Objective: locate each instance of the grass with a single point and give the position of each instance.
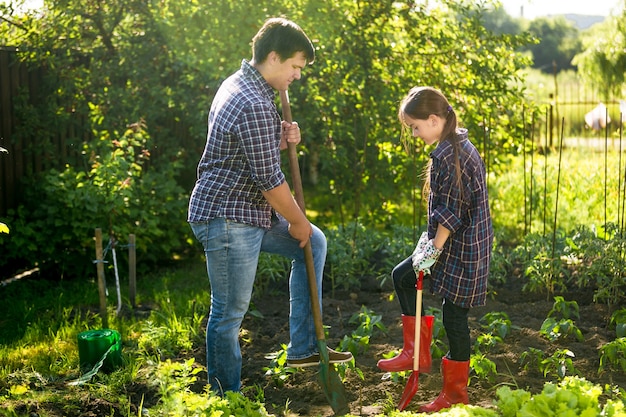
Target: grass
(578, 179)
(39, 355)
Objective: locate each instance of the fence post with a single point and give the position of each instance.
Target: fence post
(101, 283)
(132, 269)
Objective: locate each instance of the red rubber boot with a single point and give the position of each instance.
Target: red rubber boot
(404, 361)
(455, 376)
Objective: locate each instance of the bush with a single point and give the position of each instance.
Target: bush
(54, 229)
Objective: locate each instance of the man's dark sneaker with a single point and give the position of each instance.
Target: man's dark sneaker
(314, 359)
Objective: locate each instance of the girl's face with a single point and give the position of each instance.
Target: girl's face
(428, 130)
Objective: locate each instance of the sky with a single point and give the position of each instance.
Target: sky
(535, 8)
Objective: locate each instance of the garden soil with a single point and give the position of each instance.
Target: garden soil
(375, 392)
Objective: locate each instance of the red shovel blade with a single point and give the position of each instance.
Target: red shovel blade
(409, 390)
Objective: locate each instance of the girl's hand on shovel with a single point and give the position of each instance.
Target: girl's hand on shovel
(290, 134)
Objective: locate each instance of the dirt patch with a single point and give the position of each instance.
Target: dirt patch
(370, 395)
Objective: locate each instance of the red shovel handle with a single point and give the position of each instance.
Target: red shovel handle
(412, 384)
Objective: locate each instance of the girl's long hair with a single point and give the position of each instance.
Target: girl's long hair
(419, 104)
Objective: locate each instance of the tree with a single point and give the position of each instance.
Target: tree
(369, 58)
(602, 63)
(157, 64)
(558, 43)
(499, 21)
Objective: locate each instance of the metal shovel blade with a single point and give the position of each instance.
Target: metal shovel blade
(331, 383)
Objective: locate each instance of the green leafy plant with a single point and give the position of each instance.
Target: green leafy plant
(355, 251)
(613, 355)
(116, 193)
(566, 309)
(559, 364)
(555, 329)
(438, 346)
(486, 342)
(278, 370)
(483, 367)
(572, 397)
(271, 269)
(561, 329)
(532, 359)
(359, 339)
(174, 380)
(598, 259)
(497, 323)
(618, 319)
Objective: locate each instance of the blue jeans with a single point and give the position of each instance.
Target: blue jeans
(232, 252)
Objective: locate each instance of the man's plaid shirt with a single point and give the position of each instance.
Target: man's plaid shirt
(242, 153)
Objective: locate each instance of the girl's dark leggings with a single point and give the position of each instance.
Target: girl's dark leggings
(454, 317)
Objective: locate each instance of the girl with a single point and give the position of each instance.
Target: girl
(456, 249)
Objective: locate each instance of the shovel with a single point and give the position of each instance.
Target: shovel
(411, 386)
(328, 377)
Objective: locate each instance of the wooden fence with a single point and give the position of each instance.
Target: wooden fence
(15, 160)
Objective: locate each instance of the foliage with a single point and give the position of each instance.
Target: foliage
(271, 270)
(532, 359)
(174, 380)
(111, 65)
(545, 272)
(523, 199)
(355, 251)
(583, 259)
(613, 356)
(438, 346)
(601, 256)
(497, 322)
(561, 329)
(602, 60)
(573, 397)
(558, 43)
(117, 193)
(557, 365)
(33, 362)
(278, 369)
(618, 319)
(564, 309)
(555, 329)
(367, 322)
(482, 367)
(367, 59)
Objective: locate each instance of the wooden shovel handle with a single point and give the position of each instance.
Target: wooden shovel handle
(294, 168)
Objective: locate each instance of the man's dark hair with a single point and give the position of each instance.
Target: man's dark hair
(284, 37)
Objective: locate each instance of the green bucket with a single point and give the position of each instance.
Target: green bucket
(97, 345)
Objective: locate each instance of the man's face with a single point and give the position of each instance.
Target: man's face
(281, 74)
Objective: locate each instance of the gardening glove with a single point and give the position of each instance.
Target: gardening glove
(420, 244)
(426, 257)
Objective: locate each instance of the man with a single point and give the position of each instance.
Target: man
(241, 204)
